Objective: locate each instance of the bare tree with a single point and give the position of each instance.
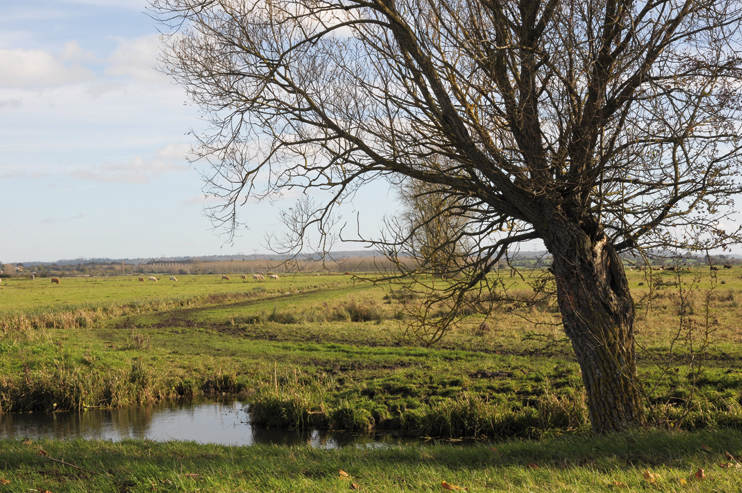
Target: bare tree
(432, 230)
(597, 126)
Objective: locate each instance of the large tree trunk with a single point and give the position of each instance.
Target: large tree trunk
(598, 316)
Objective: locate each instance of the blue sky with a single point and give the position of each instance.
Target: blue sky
(93, 139)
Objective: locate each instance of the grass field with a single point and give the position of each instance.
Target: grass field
(648, 461)
(328, 351)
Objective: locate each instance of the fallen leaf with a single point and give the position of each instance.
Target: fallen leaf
(41, 490)
(447, 486)
(683, 482)
(725, 465)
(354, 486)
(494, 450)
(700, 474)
(531, 465)
(649, 476)
(706, 447)
(618, 484)
(42, 452)
(27, 441)
(730, 457)
(4, 481)
(343, 474)
(192, 475)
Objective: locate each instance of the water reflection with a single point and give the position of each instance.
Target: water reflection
(224, 423)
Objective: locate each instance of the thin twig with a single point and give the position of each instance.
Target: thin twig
(44, 454)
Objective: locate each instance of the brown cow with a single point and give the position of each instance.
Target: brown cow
(141, 279)
(225, 278)
(714, 268)
(727, 266)
(243, 276)
(55, 280)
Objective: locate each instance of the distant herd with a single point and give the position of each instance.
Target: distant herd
(662, 267)
(257, 277)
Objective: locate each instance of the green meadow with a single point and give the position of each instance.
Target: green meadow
(648, 461)
(330, 351)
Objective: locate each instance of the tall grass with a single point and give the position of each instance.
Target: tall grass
(85, 316)
(71, 388)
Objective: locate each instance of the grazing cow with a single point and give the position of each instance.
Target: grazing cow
(225, 278)
(1, 281)
(172, 278)
(727, 266)
(153, 278)
(258, 277)
(55, 280)
(141, 279)
(714, 268)
(34, 277)
(243, 276)
(273, 276)
(670, 268)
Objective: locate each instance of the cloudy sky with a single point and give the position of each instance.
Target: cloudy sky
(93, 139)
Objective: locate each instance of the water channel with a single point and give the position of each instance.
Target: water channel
(226, 423)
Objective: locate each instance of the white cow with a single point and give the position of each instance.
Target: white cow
(258, 277)
(273, 276)
(172, 278)
(152, 278)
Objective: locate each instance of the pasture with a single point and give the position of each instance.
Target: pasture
(329, 351)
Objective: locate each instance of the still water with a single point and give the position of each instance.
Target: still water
(226, 423)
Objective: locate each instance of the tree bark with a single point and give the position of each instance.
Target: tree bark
(598, 317)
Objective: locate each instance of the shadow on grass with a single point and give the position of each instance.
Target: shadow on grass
(629, 450)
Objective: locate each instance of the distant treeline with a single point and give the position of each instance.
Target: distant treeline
(353, 265)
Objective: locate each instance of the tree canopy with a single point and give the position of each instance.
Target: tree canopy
(599, 127)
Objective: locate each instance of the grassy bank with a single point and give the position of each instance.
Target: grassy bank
(629, 462)
(328, 352)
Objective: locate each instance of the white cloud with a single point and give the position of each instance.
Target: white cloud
(10, 103)
(136, 170)
(13, 173)
(72, 52)
(137, 58)
(174, 151)
(35, 68)
(122, 4)
(52, 220)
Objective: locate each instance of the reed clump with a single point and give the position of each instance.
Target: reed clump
(73, 388)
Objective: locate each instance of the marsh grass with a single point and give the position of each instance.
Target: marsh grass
(332, 356)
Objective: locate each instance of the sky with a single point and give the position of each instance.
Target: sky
(93, 142)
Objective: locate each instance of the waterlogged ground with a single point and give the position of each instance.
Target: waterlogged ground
(330, 352)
